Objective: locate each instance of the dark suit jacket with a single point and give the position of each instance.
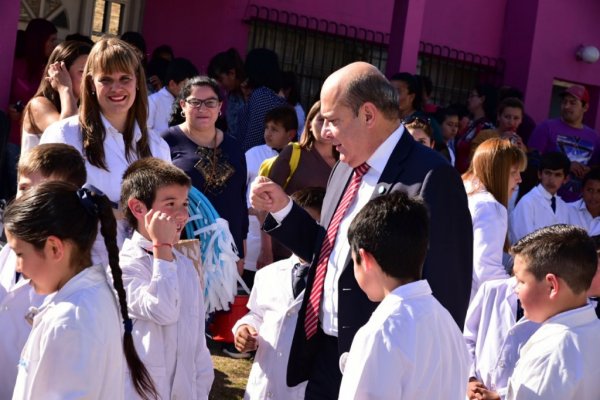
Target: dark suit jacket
(418, 171)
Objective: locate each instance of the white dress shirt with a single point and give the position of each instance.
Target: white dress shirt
(75, 349)
(580, 216)
(490, 225)
(273, 314)
(561, 360)
(410, 348)
(534, 211)
(160, 105)
(167, 308)
(493, 335)
(108, 181)
(15, 299)
(341, 249)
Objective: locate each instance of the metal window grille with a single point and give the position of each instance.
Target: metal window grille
(313, 48)
(454, 72)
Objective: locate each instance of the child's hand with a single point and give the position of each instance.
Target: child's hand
(245, 339)
(161, 227)
(474, 389)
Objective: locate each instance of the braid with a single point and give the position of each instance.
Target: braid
(108, 227)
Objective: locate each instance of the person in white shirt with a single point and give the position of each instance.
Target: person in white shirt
(494, 173)
(269, 326)
(542, 206)
(585, 213)
(110, 130)
(76, 348)
(160, 104)
(45, 162)
(401, 351)
(554, 267)
(163, 287)
(494, 332)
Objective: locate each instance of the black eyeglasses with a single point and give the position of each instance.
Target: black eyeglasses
(197, 103)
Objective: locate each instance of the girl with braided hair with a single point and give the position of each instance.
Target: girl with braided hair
(74, 349)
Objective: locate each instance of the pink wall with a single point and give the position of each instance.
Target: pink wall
(473, 26)
(197, 31)
(8, 32)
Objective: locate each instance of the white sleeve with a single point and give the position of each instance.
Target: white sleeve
(254, 317)
(522, 220)
(471, 330)
(489, 233)
(205, 374)
(151, 295)
(151, 123)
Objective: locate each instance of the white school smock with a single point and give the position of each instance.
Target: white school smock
(75, 349)
(492, 334)
(15, 300)
(273, 313)
(160, 105)
(410, 348)
(109, 182)
(561, 360)
(490, 225)
(534, 211)
(580, 216)
(167, 308)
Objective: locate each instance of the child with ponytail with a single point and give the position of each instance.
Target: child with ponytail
(75, 347)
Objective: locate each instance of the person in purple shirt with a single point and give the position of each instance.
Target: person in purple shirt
(570, 136)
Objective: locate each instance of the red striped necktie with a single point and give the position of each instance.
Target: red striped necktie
(312, 308)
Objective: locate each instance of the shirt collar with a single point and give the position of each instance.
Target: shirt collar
(137, 133)
(380, 157)
(544, 192)
(401, 293)
(165, 93)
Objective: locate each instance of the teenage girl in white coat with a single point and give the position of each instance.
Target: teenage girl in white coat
(75, 349)
(494, 173)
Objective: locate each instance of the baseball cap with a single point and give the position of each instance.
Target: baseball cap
(577, 91)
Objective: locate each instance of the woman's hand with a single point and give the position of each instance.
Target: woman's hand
(58, 76)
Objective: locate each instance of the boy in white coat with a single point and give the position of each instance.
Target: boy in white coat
(554, 267)
(542, 206)
(269, 326)
(410, 348)
(494, 332)
(162, 285)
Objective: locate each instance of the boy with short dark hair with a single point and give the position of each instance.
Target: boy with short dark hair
(585, 213)
(162, 284)
(160, 103)
(554, 267)
(542, 206)
(410, 347)
(269, 326)
(45, 162)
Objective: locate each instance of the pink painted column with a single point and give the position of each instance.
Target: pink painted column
(405, 34)
(9, 19)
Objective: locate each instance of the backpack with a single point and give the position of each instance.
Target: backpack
(265, 167)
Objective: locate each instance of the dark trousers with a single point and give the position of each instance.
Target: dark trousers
(325, 379)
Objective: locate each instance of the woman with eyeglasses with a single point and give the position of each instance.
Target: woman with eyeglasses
(110, 130)
(212, 159)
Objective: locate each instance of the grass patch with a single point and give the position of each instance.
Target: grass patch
(231, 375)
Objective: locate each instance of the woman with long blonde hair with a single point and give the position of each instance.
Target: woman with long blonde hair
(494, 173)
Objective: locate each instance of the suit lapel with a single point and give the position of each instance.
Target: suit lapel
(395, 165)
(335, 190)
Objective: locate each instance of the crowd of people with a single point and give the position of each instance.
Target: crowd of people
(392, 248)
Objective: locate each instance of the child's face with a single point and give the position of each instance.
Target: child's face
(276, 137)
(531, 292)
(450, 127)
(34, 264)
(514, 178)
(510, 119)
(552, 179)
(420, 136)
(173, 201)
(27, 181)
(591, 196)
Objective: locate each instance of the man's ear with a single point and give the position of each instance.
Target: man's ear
(137, 208)
(369, 113)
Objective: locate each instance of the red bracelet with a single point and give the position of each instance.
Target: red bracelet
(162, 244)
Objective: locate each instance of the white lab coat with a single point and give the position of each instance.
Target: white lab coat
(15, 300)
(490, 225)
(561, 360)
(167, 308)
(410, 348)
(160, 105)
(75, 349)
(68, 131)
(533, 212)
(493, 336)
(273, 313)
(580, 216)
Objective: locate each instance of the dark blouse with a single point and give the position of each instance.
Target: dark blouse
(230, 199)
